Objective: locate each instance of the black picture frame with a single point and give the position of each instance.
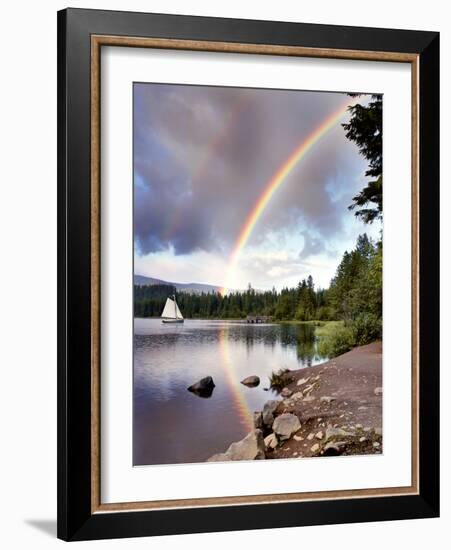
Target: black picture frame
(76, 520)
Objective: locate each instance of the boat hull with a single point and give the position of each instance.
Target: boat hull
(172, 321)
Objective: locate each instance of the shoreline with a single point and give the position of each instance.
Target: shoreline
(313, 322)
(333, 408)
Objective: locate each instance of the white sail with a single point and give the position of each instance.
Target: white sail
(178, 312)
(169, 310)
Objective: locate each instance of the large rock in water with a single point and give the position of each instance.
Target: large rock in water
(251, 381)
(269, 409)
(204, 387)
(286, 425)
(252, 447)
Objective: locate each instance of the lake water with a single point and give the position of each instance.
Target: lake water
(172, 425)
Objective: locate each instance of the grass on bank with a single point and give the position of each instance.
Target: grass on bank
(338, 337)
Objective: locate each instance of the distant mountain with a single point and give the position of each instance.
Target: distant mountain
(191, 288)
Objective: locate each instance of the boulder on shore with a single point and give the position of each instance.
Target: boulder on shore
(252, 447)
(204, 387)
(271, 441)
(269, 409)
(286, 425)
(251, 381)
(258, 420)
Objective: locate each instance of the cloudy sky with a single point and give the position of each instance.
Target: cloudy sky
(202, 158)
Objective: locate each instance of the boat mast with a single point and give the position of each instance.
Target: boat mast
(175, 306)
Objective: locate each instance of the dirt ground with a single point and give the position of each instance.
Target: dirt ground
(339, 405)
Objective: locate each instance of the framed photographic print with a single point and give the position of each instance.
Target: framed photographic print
(248, 274)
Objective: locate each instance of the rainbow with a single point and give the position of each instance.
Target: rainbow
(273, 185)
(241, 406)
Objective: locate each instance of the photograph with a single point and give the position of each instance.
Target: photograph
(257, 277)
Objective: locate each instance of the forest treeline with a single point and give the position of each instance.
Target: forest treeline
(355, 290)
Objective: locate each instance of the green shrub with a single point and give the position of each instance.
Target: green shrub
(327, 328)
(366, 328)
(337, 342)
(335, 338)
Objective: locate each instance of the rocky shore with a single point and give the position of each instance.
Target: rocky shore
(327, 410)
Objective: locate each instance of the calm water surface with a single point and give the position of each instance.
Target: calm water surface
(172, 425)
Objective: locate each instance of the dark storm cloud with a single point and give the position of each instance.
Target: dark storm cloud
(203, 156)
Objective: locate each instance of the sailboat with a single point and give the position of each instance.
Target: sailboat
(171, 312)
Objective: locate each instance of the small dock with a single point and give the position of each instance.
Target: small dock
(258, 319)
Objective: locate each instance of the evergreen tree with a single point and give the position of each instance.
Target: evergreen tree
(365, 129)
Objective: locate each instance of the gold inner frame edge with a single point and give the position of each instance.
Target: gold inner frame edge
(97, 41)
